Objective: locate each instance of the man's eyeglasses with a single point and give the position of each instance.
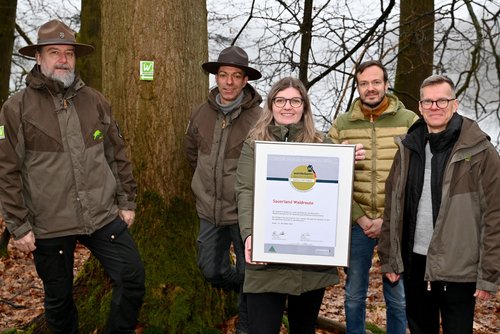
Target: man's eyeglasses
(441, 103)
(280, 102)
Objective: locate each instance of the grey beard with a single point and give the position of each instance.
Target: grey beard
(66, 79)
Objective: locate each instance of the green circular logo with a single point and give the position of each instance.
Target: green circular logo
(303, 177)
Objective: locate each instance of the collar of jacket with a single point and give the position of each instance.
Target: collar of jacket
(38, 80)
(357, 112)
(374, 113)
(285, 132)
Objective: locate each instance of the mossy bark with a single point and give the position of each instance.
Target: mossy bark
(178, 300)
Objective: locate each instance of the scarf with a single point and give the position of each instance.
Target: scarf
(441, 145)
(373, 113)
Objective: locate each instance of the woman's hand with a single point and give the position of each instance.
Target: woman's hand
(360, 152)
(248, 251)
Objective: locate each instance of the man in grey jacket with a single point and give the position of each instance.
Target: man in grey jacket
(441, 221)
(65, 178)
(214, 138)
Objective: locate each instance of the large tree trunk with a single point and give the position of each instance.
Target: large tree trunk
(416, 49)
(153, 116)
(7, 26)
(90, 33)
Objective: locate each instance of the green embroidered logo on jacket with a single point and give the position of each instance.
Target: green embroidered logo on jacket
(98, 136)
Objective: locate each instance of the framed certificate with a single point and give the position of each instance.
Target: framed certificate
(302, 203)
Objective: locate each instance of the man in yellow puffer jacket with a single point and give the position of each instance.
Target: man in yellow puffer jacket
(373, 120)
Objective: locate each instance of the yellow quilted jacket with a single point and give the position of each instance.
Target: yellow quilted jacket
(377, 138)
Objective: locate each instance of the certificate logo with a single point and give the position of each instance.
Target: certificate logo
(303, 177)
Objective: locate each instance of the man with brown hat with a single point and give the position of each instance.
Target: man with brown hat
(65, 178)
(214, 138)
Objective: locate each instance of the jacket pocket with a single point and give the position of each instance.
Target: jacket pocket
(50, 263)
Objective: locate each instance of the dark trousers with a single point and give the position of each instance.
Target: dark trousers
(115, 249)
(453, 302)
(265, 312)
(214, 260)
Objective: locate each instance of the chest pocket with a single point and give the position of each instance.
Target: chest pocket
(42, 139)
(466, 177)
(95, 126)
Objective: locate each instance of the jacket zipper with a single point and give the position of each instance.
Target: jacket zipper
(223, 126)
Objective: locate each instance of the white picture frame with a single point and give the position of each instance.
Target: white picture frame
(302, 203)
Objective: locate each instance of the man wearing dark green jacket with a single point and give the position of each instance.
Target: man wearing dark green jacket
(441, 229)
(213, 142)
(65, 178)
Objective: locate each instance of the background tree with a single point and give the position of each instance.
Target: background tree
(416, 50)
(153, 116)
(90, 33)
(7, 25)
(464, 41)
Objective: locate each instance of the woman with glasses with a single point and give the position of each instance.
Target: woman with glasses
(286, 116)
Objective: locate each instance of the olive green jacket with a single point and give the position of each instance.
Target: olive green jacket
(466, 238)
(213, 143)
(64, 167)
(273, 277)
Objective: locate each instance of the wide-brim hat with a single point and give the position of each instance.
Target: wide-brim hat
(232, 56)
(56, 32)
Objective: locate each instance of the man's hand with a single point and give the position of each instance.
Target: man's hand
(364, 222)
(127, 216)
(481, 294)
(374, 231)
(25, 244)
(392, 277)
(371, 227)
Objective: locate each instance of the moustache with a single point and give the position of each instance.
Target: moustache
(62, 67)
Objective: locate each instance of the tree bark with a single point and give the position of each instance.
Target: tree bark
(153, 116)
(90, 33)
(305, 42)
(416, 50)
(7, 26)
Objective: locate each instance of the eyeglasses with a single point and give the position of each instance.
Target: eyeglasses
(295, 102)
(440, 103)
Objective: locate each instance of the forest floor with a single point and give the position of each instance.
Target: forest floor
(21, 297)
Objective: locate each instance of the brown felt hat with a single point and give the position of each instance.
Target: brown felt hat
(232, 56)
(54, 33)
